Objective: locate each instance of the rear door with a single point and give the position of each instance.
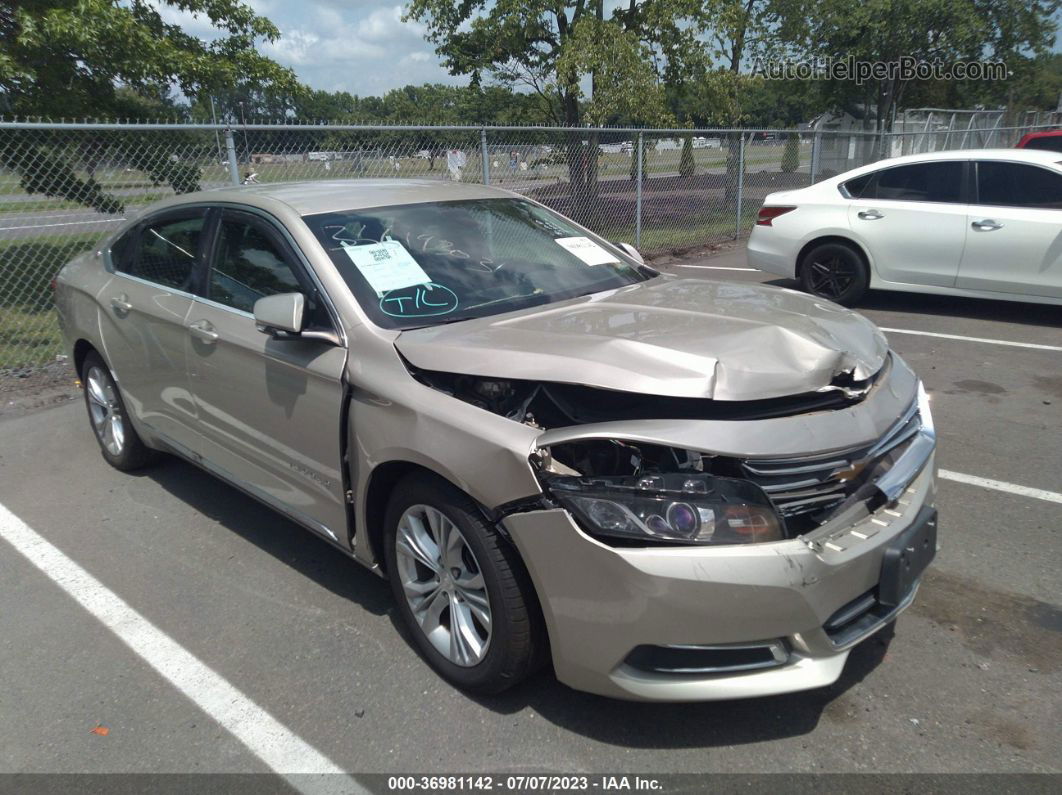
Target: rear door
(1014, 239)
(912, 220)
(144, 308)
(269, 410)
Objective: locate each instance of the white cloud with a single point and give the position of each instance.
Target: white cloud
(352, 47)
(339, 45)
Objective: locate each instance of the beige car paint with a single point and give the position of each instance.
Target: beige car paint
(267, 414)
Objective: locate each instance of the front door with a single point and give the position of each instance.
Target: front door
(144, 309)
(912, 219)
(269, 410)
(1014, 240)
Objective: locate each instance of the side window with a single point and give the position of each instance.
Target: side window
(918, 182)
(122, 249)
(248, 265)
(855, 187)
(1017, 185)
(168, 252)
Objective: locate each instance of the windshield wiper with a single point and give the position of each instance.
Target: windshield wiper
(445, 322)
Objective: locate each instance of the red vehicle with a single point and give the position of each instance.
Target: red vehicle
(1051, 141)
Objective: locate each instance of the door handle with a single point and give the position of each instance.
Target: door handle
(870, 215)
(204, 329)
(121, 303)
(986, 225)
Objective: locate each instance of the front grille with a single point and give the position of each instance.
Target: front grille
(805, 491)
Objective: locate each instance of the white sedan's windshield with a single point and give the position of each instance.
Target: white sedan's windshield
(420, 264)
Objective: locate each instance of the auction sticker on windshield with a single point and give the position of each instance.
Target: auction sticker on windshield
(386, 266)
(586, 250)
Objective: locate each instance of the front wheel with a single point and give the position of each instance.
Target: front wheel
(461, 590)
(835, 271)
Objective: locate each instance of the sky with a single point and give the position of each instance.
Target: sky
(360, 46)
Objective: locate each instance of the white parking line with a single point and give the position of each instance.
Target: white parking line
(1000, 485)
(714, 267)
(304, 767)
(1033, 345)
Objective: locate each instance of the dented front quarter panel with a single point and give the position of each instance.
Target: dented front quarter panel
(394, 418)
(668, 336)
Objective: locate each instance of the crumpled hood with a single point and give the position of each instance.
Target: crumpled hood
(669, 336)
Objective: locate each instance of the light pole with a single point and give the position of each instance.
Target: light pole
(217, 135)
(246, 146)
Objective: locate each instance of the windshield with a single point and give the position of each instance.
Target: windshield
(419, 265)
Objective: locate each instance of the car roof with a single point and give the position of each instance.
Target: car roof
(1040, 156)
(323, 196)
(1042, 134)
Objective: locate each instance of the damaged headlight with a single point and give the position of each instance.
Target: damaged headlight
(671, 508)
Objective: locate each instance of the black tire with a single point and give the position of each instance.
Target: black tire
(131, 453)
(836, 272)
(517, 640)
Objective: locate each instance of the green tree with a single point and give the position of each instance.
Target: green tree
(557, 49)
(93, 58)
(687, 165)
(791, 153)
(1012, 31)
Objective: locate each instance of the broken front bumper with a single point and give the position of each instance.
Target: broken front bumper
(603, 603)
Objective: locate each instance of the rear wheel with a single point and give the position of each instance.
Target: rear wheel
(835, 271)
(461, 590)
(119, 442)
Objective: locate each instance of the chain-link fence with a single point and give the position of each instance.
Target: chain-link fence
(63, 186)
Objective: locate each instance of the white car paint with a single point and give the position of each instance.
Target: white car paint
(924, 246)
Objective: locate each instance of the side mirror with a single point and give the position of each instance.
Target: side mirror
(630, 251)
(282, 312)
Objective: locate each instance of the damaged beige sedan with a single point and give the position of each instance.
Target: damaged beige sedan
(673, 489)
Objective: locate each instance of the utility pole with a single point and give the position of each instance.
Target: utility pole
(246, 146)
(217, 135)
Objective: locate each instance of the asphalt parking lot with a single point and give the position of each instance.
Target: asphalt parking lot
(969, 680)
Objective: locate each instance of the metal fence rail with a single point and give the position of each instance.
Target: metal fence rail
(64, 185)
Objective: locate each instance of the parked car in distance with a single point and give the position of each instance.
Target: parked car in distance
(675, 489)
(979, 223)
(1048, 140)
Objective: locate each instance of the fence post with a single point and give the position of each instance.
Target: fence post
(816, 149)
(741, 183)
(638, 197)
(483, 155)
(230, 151)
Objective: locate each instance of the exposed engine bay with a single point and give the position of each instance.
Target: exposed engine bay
(805, 494)
(549, 405)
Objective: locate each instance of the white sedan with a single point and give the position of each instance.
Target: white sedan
(982, 223)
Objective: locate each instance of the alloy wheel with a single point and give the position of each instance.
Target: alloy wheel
(443, 585)
(104, 412)
(831, 277)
